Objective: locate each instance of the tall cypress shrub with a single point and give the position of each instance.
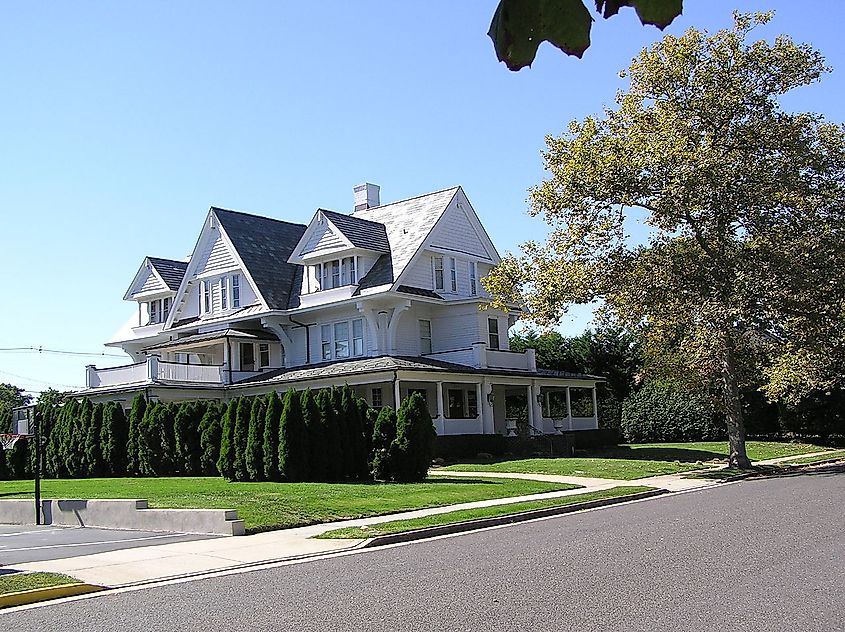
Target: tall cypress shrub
(113, 439)
(148, 444)
(413, 447)
(316, 436)
(226, 460)
(166, 462)
(293, 440)
(93, 452)
(75, 451)
(333, 445)
(240, 436)
(255, 440)
(186, 435)
(210, 436)
(136, 415)
(270, 448)
(356, 459)
(384, 433)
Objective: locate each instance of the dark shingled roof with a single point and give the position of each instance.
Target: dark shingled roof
(380, 274)
(418, 291)
(171, 271)
(214, 335)
(265, 245)
(363, 233)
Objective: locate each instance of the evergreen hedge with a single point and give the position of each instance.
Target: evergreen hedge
(662, 410)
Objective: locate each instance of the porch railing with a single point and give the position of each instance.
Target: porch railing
(179, 372)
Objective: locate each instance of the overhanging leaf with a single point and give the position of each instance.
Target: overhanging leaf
(659, 13)
(519, 26)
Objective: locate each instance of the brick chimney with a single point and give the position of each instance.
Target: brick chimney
(366, 196)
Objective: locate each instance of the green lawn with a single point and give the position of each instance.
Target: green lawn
(265, 506)
(16, 582)
(451, 517)
(629, 462)
(809, 460)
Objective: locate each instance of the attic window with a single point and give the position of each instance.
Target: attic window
(331, 274)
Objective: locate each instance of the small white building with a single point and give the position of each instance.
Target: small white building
(386, 299)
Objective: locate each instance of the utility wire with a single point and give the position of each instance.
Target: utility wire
(60, 352)
(31, 379)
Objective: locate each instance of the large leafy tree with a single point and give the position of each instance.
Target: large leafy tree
(745, 205)
(11, 397)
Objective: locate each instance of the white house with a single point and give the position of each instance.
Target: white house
(386, 299)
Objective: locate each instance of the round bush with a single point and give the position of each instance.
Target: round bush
(665, 411)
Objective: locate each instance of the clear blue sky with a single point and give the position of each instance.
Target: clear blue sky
(121, 123)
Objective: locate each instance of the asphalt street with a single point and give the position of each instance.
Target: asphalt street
(756, 555)
(29, 543)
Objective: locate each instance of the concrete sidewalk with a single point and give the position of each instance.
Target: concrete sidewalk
(151, 563)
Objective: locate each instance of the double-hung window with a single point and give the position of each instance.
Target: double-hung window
(349, 272)
(473, 278)
(358, 337)
(236, 290)
(153, 312)
(165, 308)
(326, 338)
(493, 332)
(425, 337)
(453, 274)
(342, 339)
(224, 293)
(206, 296)
(437, 263)
(263, 355)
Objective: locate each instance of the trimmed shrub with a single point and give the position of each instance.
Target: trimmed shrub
(226, 459)
(136, 416)
(663, 410)
(270, 451)
(318, 466)
(75, 441)
(113, 439)
(94, 465)
(293, 440)
(412, 450)
(333, 442)
(255, 441)
(210, 431)
(240, 436)
(384, 433)
(356, 460)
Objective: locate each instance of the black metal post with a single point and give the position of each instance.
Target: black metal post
(36, 420)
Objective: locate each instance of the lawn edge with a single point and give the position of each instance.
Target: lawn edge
(25, 597)
(522, 516)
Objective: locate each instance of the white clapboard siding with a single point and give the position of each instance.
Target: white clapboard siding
(322, 239)
(152, 284)
(455, 232)
(215, 256)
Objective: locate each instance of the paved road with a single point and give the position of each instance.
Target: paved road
(757, 555)
(30, 543)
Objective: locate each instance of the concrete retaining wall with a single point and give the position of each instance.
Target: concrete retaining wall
(122, 514)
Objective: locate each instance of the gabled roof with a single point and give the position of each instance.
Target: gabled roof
(361, 233)
(170, 270)
(408, 223)
(264, 246)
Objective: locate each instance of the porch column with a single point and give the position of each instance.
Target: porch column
(539, 427)
(568, 408)
(488, 417)
(440, 414)
(396, 393)
(152, 367)
(227, 363)
(479, 393)
(595, 407)
(531, 404)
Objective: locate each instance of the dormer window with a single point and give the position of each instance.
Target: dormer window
(220, 295)
(158, 310)
(331, 274)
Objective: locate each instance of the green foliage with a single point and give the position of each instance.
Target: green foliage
(11, 396)
(136, 415)
(333, 443)
(413, 447)
(240, 436)
(384, 433)
(94, 465)
(74, 454)
(113, 439)
(739, 282)
(355, 458)
(186, 437)
(226, 460)
(272, 415)
(318, 465)
(664, 411)
(211, 433)
(520, 26)
(293, 440)
(255, 440)
(17, 461)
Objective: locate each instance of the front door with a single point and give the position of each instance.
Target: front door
(247, 356)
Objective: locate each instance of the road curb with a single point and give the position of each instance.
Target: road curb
(481, 523)
(25, 597)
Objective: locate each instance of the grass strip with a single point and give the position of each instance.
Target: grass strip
(464, 515)
(267, 506)
(809, 460)
(16, 582)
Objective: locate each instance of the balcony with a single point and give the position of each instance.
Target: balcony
(480, 357)
(153, 371)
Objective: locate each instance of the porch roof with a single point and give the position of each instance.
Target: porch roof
(212, 336)
(394, 363)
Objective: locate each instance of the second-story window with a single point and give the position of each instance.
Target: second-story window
(342, 339)
(493, 332)
(437, 263)
(425, 337)
(473, 278)
(326, 341)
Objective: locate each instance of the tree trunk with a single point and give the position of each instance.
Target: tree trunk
(733, 409)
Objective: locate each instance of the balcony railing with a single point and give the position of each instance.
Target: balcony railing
(151, 371)
(480, 357)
